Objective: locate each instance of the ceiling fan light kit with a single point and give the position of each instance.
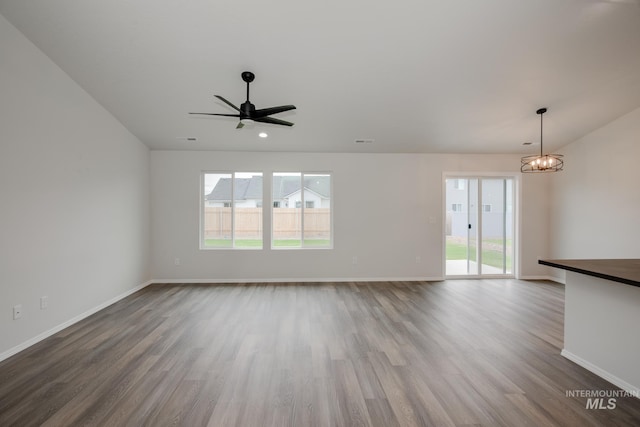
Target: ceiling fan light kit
(247, 112)
(543, 162)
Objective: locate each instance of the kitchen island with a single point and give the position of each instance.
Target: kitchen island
(602, 317)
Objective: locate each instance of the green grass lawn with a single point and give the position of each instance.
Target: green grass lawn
(459, 251)
(489, 257)
(255, 243)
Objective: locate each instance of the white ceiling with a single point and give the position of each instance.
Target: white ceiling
(454, 76)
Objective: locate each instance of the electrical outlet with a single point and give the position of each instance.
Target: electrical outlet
(17, 311)
(176, 261)
(354, 260)
(418, 260)
(44, 302)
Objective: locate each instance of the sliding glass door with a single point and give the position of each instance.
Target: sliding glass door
(479, 226)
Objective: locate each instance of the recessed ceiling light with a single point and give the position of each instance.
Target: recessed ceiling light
(364, 141)
(263, 135)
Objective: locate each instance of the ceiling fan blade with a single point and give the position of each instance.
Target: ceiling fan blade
(264, 112)
(227, 102)
(272, 121)
(218, 114)
(240, 125)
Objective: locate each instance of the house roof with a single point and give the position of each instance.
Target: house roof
(283, 186)
(245, 189)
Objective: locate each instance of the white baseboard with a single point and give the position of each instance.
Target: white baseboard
(305, 280)
(601, 373)
(76, 319)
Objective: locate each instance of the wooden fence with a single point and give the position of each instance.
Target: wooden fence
(286, 223)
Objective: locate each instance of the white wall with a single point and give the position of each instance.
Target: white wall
(74, 194)
(595, 207)
(386, 238)
(599, 328)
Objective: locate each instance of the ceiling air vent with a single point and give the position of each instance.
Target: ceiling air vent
(363, 141)
(187, 138)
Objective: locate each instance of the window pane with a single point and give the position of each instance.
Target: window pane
(317, 212)
(217, 211)
(461, 226)
(493, 222)
(286, 218)
(472, 231)
(509, 226)
(247, 190)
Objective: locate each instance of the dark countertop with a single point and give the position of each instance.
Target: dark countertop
(618, 270)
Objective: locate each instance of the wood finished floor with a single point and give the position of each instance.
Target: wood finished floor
(454, 353)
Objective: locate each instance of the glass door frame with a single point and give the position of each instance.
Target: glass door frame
(515, 227)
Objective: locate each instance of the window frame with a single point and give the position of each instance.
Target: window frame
(232, 203)
(302, 209)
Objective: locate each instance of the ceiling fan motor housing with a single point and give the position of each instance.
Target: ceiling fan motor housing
(247, 109)
(248, 76)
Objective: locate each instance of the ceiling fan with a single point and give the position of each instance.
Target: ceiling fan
(247, 111)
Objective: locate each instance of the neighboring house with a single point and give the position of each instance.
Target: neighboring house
(248, 193)
(286, 192)
(457, 211)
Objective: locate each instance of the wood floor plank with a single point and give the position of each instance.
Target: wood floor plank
(457, 353)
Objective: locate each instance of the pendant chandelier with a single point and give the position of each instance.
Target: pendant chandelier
(542, 162)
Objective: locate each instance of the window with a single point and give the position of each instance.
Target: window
(486, 208)
(231, 210)
(456, 207)
(458, 184)
(308, 224)
(276, 204)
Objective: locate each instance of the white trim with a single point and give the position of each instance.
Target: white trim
(443, 229)
(76, 319)
(479, 225)
(601, 372)
(480, 276)
(303, 280)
